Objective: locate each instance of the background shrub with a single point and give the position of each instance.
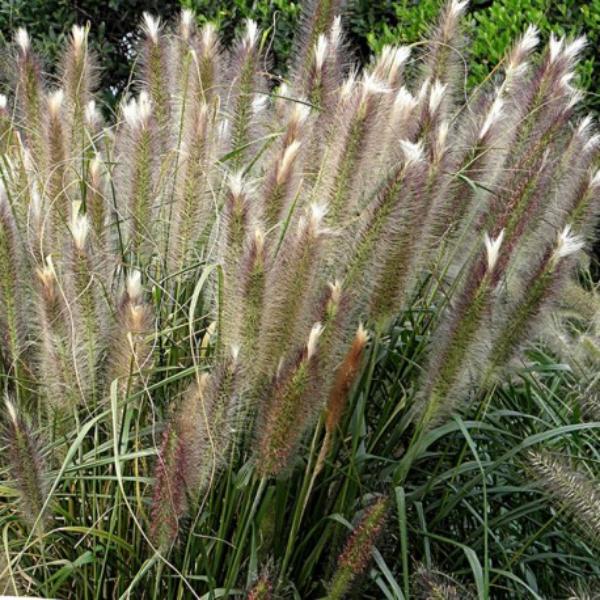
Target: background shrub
(115, 23)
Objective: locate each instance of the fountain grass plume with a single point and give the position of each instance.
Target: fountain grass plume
(576, 491)
(356, 554)
(26, 466)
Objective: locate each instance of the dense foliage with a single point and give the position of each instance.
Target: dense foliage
(331, 336)
(115, 25)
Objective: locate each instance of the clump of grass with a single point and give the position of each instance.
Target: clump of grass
(239, 306)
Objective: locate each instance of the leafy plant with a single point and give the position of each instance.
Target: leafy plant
(265, 341)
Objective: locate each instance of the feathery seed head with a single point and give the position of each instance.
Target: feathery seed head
(405, 102)
(356, 554)
(530, 39)
(492, 116)
(372, 85)
(585, 125)
(78, 37)
(259, 241)
(250, 34)
(441, 139)
(22, 40)
(12, 411)
(80, 226)
(208, 36)
(390, 61)
(235, 353)
(335, 33)
(335, 291)
(133, 285)
(55, 100)
(555, 47)
(565, 81)
(567, 244)
(26, 466)
(313, 340)
(316, 219)
(348, 86)
(237, 185)
(259, 103)
(320, 53)
(595, 179)
(362, 335)
(592, 143)
(492, 248)
(287, 160)
(521, 51)
(144, 106)
(572, 50)
(576, 98)
(47, 276)
(137, 112)
(413, 152)
(3, 101)
(94, 167)
(91, 114)
(187, 21)
(458, 7)
(299, 113)
(151, 26)
(438, 89)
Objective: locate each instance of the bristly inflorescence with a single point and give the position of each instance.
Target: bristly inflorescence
(240, 232)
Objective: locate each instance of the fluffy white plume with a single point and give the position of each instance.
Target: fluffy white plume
(530, 39)
(137, 112)
(492, 116)
(492, 249)
(151, 26)
(438, 89)
(362, 335)
(321, 52)
(458, 7)
(55, 100)
(208, 36)
(575, 47)
(567, 243)
(91, 114)
(404, 102)
(78, 34)
(555, 47)
(22, 39)
(134, 285)
(10, 408)
(236, 183)
(413, 152)
(259, 103)
(335, 33)
(313, 340)
(372, 85)
(251, 33)
(289, 155)
(317, 215)
(80, 227)
(187, 20)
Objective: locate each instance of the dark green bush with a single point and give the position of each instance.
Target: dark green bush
(114, 25)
